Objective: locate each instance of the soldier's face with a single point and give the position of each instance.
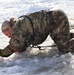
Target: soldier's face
(8, 31)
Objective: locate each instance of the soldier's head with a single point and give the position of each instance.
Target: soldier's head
(7, 28)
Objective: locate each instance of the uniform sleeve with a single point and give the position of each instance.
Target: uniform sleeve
(6, 51)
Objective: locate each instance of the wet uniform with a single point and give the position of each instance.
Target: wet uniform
(34, 29)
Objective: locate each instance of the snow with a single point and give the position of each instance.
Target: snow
(34, 61)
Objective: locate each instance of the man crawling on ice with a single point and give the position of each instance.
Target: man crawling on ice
(34, 28)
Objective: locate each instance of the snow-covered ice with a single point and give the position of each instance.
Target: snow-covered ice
(33, 61)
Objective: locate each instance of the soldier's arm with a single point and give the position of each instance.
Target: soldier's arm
(15, 45)
(6, 51)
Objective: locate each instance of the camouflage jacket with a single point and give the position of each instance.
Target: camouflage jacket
(28, 29)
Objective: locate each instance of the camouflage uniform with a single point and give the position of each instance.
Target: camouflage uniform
(34, 29)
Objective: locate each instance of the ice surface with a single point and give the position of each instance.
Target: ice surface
(33, 61)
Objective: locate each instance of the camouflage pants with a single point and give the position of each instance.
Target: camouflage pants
(60, 31)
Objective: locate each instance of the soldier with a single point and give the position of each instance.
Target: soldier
(34, 29)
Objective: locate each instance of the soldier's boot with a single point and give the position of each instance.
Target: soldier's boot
(60, 31)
